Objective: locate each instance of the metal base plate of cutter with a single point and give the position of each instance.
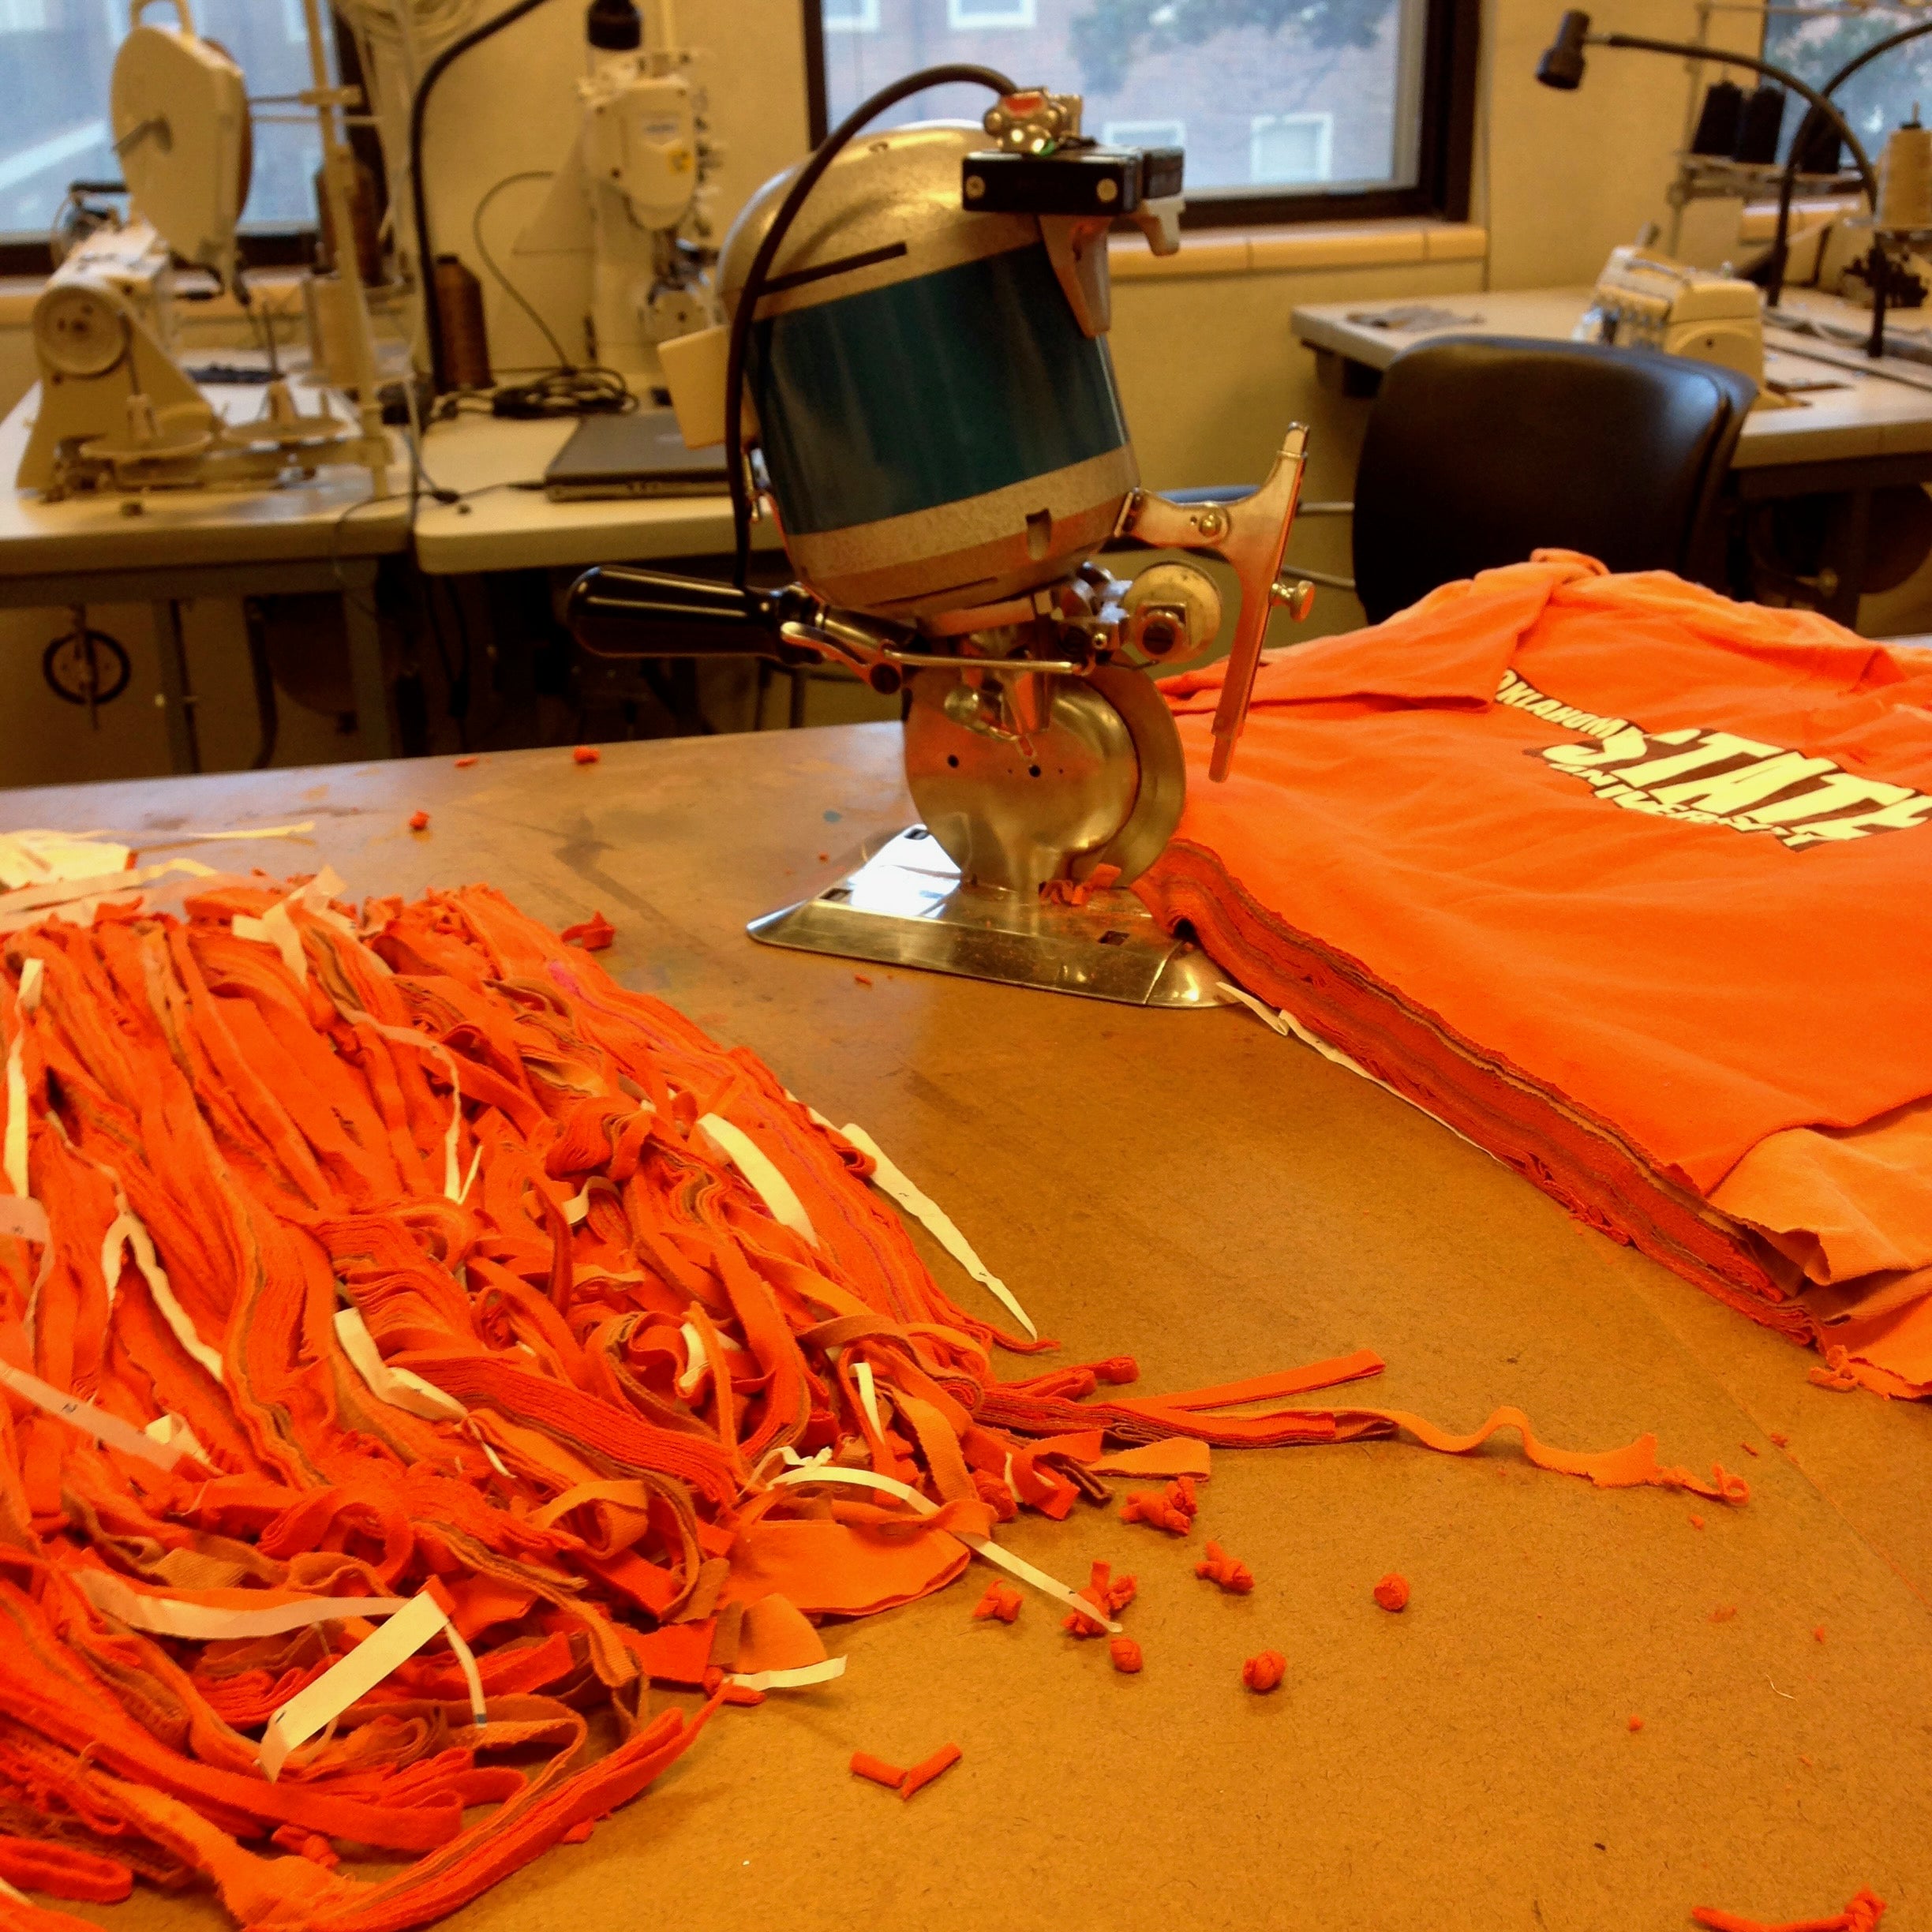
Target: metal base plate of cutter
(908, 906)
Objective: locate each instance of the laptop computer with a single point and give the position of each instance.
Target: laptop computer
(640, 455)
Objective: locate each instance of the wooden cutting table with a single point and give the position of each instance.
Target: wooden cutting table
(1189, 1189)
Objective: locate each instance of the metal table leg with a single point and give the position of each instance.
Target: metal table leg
(178, 699)
(365, 661)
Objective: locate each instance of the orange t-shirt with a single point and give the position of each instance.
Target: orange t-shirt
(1666, 854)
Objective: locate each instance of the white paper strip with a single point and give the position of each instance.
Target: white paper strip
(88, 1419)
(890, 1181)
(868, 1396)
(22, 908)
(15, 1149)
(38, 858)
(764, 1179)
(169, 1616)
(314, 898)
(233, 831)
(173, 1431)
(697, 1361)
(126, 1231)
(790, 1679)
(318, 1705)
(401, 1389)
(8, 1891)
(984, 1547)
(275, 928)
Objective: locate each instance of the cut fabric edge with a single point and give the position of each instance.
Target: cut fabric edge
(1579, 1161)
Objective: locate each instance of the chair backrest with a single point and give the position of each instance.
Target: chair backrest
(1481, 449)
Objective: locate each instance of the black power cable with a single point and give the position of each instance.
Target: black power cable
(425, 255)
(821, 158)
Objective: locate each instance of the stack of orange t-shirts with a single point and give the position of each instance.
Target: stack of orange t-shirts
(1629, 884)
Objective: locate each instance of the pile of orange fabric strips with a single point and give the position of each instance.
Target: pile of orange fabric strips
(413, 1345)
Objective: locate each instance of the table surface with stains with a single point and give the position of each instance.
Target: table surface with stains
(1187, 1188)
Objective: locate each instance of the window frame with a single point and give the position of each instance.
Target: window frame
(867, 22)
(1445, 144)
(1022, 22)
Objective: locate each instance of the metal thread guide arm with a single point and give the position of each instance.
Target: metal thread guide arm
(1250, 534)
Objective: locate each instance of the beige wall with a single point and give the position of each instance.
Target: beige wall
(1569, 176)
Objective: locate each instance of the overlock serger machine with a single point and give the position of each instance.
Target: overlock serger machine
(917, 352)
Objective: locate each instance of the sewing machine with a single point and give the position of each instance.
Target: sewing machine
(117, 410)
(617, 241)
(1646, 300)
(943, 451)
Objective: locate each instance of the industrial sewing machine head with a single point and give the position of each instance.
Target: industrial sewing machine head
(921, 330)
(117, 410)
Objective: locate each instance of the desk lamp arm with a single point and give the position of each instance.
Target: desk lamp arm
(1561, 67)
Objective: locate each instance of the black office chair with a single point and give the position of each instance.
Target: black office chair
(1482, 448)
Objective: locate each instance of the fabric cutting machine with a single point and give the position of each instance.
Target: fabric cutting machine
(917, 355)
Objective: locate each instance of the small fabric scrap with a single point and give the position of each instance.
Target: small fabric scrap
(594, 935)
(1002, 1602)
(1861, 1915)
(923, 1772)
(1263, 1673)
(1233, 1577)
(1392, 1592)
(865, 1765)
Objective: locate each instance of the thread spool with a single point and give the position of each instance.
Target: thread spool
(1717, 122)
(1905, 179)
(465, 343)
(1760, 125)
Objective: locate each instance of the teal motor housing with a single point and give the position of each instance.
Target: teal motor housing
(941, 428)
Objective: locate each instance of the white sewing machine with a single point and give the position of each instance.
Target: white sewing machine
(1648, 300)
(117, 410)
(619, 232)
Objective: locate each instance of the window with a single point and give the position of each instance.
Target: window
(1292, 149)
(1289, 109)
(1144, 133)
(852, 15)
(55, 59)
(1875, 100)
(969, 16)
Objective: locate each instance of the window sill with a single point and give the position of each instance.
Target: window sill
(1311, 245)
(279, 291)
